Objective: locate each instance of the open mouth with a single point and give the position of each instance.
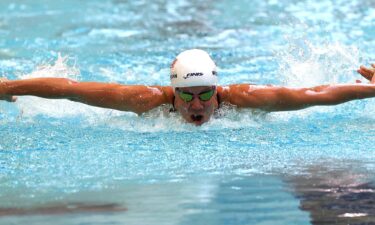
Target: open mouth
(196, 118)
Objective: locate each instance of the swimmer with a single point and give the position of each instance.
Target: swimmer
(194, 92)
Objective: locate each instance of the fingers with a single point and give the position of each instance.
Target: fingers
(366, 72)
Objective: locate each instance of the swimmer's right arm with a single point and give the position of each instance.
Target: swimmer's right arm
(134, 98)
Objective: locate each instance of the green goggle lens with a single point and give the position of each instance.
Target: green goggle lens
(205, 96)
(186, 96)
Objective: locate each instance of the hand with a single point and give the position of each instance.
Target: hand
(368, 73)
(3, 96)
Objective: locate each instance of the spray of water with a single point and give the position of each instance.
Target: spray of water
(59, 68)
(304, 63)
(33, 106)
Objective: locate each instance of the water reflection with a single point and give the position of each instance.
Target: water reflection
(58, 209)
(321, 195)
(336, 196)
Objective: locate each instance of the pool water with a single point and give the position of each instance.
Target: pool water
(67, 163)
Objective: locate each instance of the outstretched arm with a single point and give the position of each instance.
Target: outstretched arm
(272, 98)
(134, 98)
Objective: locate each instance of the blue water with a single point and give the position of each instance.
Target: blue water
(67, 163)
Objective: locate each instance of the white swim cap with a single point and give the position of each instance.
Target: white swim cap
(193, 68)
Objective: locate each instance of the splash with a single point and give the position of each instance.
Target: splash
(161, 120)
(32, 106)
(59, 68)
(304, 63)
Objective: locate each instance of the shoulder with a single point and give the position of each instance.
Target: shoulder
(225, 92)
(245, 95)
(168, 94)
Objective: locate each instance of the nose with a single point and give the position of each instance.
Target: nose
(196, 104)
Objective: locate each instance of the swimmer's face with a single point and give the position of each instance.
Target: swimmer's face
(196, 104)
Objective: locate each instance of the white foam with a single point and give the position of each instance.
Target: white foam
(310, 64)
(59, 68)
(160, 120)
(113, 33)
(31, 106)
(303, 63)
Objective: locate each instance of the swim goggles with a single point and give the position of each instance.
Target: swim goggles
(203, 96)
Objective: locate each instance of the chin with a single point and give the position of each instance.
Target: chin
(198, 123)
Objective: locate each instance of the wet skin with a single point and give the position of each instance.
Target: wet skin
(196, 111)
(140, 98)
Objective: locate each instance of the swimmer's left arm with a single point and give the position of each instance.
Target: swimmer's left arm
(273, 98)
